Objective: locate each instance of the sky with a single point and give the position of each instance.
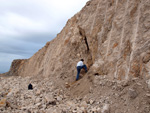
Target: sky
(26, 26)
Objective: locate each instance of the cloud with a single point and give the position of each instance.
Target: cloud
(13, 24)
(16, 48)
(26, 26)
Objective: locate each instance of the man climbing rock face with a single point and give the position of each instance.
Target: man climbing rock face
(80, 65)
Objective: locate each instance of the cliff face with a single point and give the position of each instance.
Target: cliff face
(113, 36)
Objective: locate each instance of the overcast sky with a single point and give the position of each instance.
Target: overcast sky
(26, 26)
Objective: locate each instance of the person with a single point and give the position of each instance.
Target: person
(80, 65)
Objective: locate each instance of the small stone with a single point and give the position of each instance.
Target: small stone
(52, 102)
(148, 95)
(139, 84)
(59, 98)
(38, 104)
(85, 111)
(132, 93)
(70, 103)
(82, 108)
(105, 109)
(83, 104)
(74, 111)
(50, 110)
(148, 83)
(24, 108)
(38, 92)
(98, 110)
(94, 109)
(38, 100)
(91, 101)
(49, 98)
(3, 102)
(67, 85)
(125, 83)
(10, 94)
(134, 79)
(78, 55)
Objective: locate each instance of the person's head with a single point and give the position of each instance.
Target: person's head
(82, 60)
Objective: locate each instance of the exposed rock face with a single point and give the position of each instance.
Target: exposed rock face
(111, 35)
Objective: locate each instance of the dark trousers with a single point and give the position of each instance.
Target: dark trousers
(79, 69)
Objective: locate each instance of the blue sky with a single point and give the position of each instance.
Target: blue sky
(26, 26)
